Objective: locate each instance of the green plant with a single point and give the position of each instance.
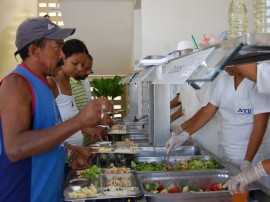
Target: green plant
(108, 87)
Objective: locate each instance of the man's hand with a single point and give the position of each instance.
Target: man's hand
(96, 133)
(79, 162)
(86, 152)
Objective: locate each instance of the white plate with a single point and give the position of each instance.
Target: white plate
(103, 142)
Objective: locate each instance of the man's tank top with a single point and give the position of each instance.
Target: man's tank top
(40, 177)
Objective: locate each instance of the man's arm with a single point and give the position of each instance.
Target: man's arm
(19, 140)
(199, 119)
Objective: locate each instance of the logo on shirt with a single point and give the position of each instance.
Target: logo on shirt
(243, 111)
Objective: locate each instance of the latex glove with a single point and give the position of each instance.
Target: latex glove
(240, 181)
(245, 165)
(176, 140)
(176, 129)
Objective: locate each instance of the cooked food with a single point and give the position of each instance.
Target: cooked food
(126, 142)
(105, 149)
(115, 170)
(84, 192)
(127, 149)
(119, 181)
(119, 127)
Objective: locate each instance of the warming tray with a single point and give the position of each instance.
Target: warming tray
(181, 163)
(161, 151)
(126, 185)
(191, 179)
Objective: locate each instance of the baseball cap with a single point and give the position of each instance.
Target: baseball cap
(33, 29)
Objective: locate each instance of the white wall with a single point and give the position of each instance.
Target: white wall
(12, 13)
(106, 26)
(166, 22)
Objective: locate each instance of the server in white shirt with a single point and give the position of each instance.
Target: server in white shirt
(231, 99)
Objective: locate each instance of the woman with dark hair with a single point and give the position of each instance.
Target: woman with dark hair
(74, 58)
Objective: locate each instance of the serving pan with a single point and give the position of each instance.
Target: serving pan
(202, 179)
(130, 191)
(161, 151)
(175, 164)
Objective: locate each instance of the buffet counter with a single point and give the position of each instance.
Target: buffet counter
(192, 173)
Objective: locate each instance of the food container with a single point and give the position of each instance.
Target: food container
(176, 163)
(118, 180)
(74, 193)
(131, 191)
(120, 191)
(161, 151)
(79, 182)
(201, 180)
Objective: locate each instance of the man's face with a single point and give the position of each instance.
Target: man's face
(50, 55)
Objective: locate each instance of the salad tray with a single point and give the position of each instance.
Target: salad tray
(175, 163)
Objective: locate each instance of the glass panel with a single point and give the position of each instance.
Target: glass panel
(215, 63)
(200, 65)
(144, 75)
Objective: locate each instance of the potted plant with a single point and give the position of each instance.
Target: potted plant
(110, 88)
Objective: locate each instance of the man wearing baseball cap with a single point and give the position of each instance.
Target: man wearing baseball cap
(32, 152)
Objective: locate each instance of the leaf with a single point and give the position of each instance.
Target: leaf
(108, 87)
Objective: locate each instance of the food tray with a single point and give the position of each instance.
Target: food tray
(174, 161)
(201, 180)
(111, 192)
(118, 150)
(161, 151)
(70, 189)
(118, 180)
(118, 129)
(116, 170)
(120, 191)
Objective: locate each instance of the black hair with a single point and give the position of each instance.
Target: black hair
(73, 46)
(90, 56)
(46, 16)
(24, 52)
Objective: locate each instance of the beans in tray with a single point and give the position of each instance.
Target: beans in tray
(119, 181)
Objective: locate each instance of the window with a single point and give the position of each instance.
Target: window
(51, 8)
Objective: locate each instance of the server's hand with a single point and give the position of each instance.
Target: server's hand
(245, 165)
(240, 181)
(176, 140)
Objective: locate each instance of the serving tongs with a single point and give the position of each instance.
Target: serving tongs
(167, 158)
